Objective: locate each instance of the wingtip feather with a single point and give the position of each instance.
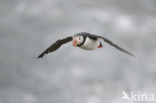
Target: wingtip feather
(130, 54)
(40, 56)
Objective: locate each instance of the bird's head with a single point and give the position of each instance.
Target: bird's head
(77, 40)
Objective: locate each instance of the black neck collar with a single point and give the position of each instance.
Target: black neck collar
(84, 39)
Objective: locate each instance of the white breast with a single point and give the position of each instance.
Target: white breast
(90, 44)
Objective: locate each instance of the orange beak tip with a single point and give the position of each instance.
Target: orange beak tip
(74, 42)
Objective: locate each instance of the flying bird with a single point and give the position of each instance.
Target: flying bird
(83, 40)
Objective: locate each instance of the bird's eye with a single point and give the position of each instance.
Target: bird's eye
(79, 38)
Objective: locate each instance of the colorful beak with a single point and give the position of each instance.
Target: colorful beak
(74, 41)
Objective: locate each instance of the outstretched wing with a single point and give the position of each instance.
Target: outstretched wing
(55, 46)
(116, 46)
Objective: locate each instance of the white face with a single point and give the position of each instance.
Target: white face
(77, 40)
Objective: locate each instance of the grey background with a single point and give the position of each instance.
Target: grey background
(72, 75)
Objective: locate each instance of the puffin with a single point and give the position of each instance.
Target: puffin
(84, 41)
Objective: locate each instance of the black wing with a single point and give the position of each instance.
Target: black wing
(92, 37)
(55, 46)
(116, 46)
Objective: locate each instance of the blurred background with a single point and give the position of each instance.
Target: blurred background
(72, 75)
